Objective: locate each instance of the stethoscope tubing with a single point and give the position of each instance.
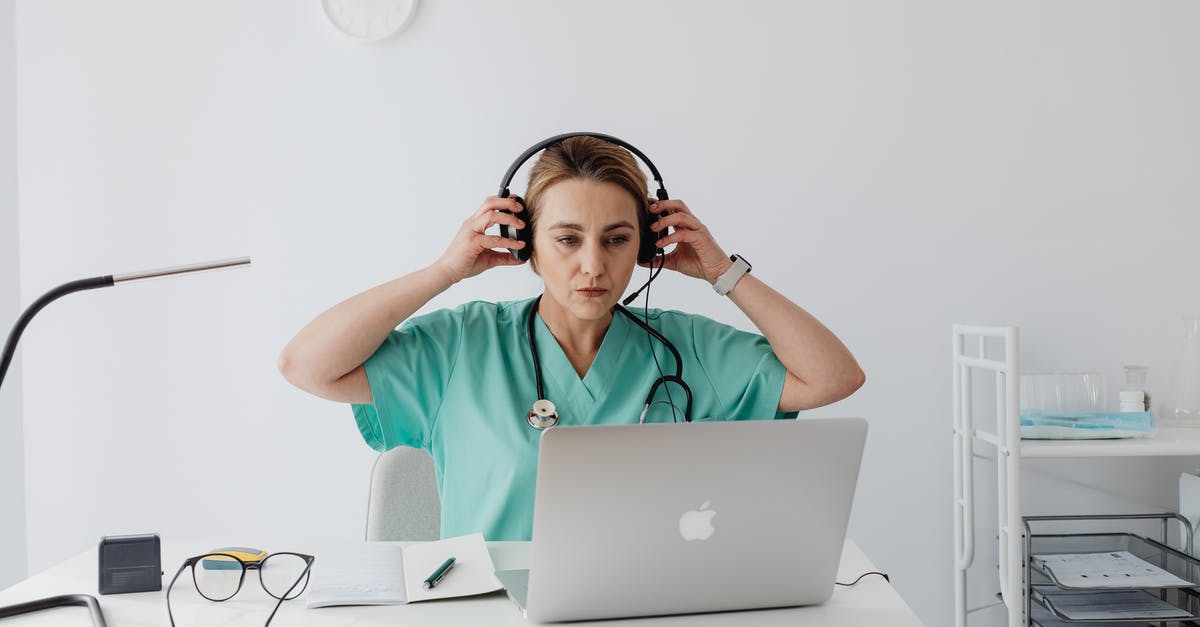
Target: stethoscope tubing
(676, 378)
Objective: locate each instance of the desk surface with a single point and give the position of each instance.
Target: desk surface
(872, 602)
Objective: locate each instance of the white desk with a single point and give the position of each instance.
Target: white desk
(872, 602)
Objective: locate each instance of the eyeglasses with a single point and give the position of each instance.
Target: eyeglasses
(219, 576)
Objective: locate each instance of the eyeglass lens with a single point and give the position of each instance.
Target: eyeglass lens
(281, 574)
(218, 577)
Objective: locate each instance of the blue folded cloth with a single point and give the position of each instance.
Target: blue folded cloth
(1036, 424)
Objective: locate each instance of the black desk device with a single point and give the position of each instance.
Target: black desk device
(130, 564)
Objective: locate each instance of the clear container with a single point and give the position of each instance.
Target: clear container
(1063, 393)
(1182, 407)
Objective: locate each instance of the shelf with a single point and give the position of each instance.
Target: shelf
(1169, 441)
(1059, 605)
(1178, 564)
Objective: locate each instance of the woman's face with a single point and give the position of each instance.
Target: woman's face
(586, 244)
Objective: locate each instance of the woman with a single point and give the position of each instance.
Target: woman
(459, 383)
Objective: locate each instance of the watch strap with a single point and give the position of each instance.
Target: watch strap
(729, 279)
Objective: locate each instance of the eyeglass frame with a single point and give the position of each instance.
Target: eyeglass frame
(245, 566)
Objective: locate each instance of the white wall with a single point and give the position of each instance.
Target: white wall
(12, 458)
(893, 167)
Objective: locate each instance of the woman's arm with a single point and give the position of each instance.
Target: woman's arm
(820, 370)
(326, 356)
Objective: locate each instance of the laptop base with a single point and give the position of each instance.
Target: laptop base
(516, 584)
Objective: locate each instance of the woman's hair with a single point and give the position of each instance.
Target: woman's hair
(588, 159)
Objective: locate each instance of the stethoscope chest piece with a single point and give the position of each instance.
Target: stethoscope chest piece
(543, 415)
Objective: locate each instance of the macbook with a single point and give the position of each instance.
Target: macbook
(643, 520)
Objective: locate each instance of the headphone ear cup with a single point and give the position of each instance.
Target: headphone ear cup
(647, 250)
(521, 235)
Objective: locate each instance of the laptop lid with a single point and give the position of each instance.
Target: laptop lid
(641, 520)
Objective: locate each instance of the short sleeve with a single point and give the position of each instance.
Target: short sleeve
(743, 370)
(408, 375)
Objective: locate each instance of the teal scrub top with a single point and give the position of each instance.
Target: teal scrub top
(459, 383)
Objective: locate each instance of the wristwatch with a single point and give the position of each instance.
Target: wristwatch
(726, 282)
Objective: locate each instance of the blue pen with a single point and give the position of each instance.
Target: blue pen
(439, 574)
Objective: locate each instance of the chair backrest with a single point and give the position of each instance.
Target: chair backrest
(404, 502)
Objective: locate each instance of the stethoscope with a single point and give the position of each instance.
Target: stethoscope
(543, 414)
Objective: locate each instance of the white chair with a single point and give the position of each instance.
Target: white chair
(404, 503)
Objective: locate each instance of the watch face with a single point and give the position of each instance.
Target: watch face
(369, 20)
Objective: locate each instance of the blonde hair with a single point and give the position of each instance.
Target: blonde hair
(589, 159)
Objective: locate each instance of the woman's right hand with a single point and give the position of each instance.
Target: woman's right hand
(471, 251)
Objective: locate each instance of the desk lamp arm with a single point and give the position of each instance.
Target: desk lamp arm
(14, 336)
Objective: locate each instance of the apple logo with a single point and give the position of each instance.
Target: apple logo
(697, 524)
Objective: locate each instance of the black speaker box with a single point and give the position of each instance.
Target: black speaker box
(130, 564)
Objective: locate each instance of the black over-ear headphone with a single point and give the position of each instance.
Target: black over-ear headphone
(646, 247)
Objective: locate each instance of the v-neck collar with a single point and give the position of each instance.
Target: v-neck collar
(598, 379)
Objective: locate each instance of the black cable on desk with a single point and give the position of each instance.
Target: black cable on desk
(873, 572)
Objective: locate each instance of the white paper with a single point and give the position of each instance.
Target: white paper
(366, 574)
(1119, 569)
(1137, 605)
(473, 571)
(384, 573)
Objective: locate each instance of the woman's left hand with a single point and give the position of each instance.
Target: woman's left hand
(697, 254)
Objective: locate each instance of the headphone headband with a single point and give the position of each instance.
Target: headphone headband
(516, 165)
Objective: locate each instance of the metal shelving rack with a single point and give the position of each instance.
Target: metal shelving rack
(1010, 451)
(1176, 560)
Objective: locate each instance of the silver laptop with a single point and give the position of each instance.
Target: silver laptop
(643, 520)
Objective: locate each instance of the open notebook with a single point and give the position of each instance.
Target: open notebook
(386, 573)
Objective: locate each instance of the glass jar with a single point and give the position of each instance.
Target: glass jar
(1182, 408)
